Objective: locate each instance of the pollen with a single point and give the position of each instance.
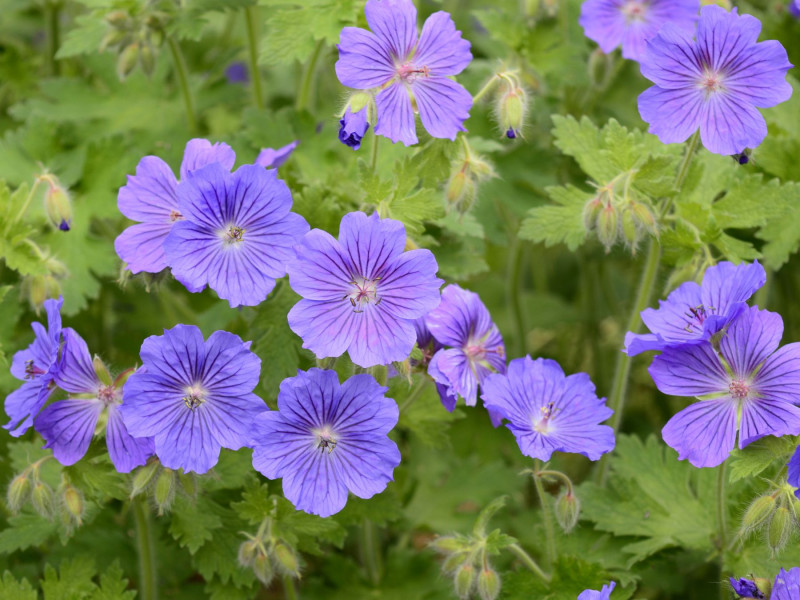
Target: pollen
(739, 389)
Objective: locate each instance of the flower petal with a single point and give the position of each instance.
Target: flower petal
(395, 115)
(750, 339)
(731, 124)
(125, 451)
(380, 337)
(141, 246)
(272, 159)
(326, 327)
(150, 194)
(409, 285)
(760, 75)
(371, 243)
(672, 114)
(443, 106)
(23, 404)
(187, 442)
(67, 427)
(395, 23)
(762, 417)
(314, 484)
(705, 432)
(441, 48)
(689, 370)
(76, 373)
(199, 153)
(321, 270)
(452, 368)
(365, 463)
(365, 61)
(779, 377)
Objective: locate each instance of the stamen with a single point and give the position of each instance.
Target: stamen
(194, 397)
(174, 215)
(32, 370)
(325, 439)
(108, 394)
(548, 412)
(364, 291)
(739, 389)
(234, 234)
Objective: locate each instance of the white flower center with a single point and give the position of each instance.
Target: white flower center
(634, 11)
(363, 292)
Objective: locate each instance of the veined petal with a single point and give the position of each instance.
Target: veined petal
(395, 23)
(726, 284)
(409, 284)
(187, 442)
(672, 61)
(67, 426)
(76, 372)
(362, 409)
(327, 327)
(762, 417)
(310, 398)
(722, 36)
(199, 153)
(141, 246)
(750, 339)
(673, 114)
(314, 484)
(760, 75)
(149, 195)
(689, 370)
(443, 106)
(459, 314)
(365, 61)
(705, 432)
(125, 451)
(730, 124)
(270, 158)
(451, 367)
(148, 406)
(441, 48)
(380, 337)
(23, 404)
(395, 115)
(192, 251)
(178, 355)
(779, 377)
(365, 464)
(321, 270)
(371, 243)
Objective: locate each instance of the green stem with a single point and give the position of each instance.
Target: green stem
(304, 94)
(526, 559)
(622, 369)
(183, 81)
(414, 395)
(251, 20)
(694, 142)
(53, 36)
(148, 577)
(370, 551)
(722, 525)
(373, 158)
(485, 89)
(547, 515)
(289, 591)
(514, 295)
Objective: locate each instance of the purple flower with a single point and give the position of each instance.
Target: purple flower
(476, 350)
(793, 476)
(390, 57)
(744, 384)
(237, 234)
(35, 366)
(326, 439)
(631, 23)
(549, 411)
(429, 346)
(693, 313)
(352, 127)
(236, 72)
(272, 159)
(69, 425)
(746, 588)
(787, 585)
(794, 8)
(362, 292)
(603, 594)
(150, 197)
(715, 83)
(193, 396)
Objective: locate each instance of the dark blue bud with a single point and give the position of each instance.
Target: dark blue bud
(353, 128)
(237, 73)
(511, 134)
(746, 588)
(64, 226)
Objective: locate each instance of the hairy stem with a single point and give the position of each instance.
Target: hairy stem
(183, 81)
(373, 157)
(547, 515)
(691, 149)
(370, 551)
(148, 577)
(251, 20)
(52, 15)
(485, 89)
(514, 295)
(289, 591)
(526, 559)
(722, 526)
(304, 94)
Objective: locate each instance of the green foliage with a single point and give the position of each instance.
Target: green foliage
(758, 456)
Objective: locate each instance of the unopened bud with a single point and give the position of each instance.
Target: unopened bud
(454, 562)
(164, 492)
(57, 204)
(511, 111)
(72, 500)
(262, 568)
(757, 514)
(286, 560)
(568, 510)
(464, 581)
(119, 19)
(43, 500)
(599, 67)
(629, 230)
(56, 268)
(449, 544)
(359, 100)
(37, 290)
(18, 492)
(101, 370)
(127, 59)
(643, 217)
(461, 188)
(608, 226)
(531, 8)
(780, 529)
(115, 37)
(247, 553)
(488, 584)
(455, 186)
(591, 211)
(147, 56)
(143, 477)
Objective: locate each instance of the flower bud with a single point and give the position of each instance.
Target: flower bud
(488, 584)
(608, 226)
(449, 544)
(73, 502)
(101, 370)
(455, 561)
(143, 477)
(780, 529)
(119, 19)
(568, 510)
(147, 56)
(757, 514)
(56, 268)
(247, 553)
(164, 492)
(262, 568)
(643, 218)
(511, 111)
(286, 560)
(531, 8)
(127, 59)
(57, 204)
(464, 581)
(461, 188)
(591, 212)
(43, 500)
(18, 492)
(353, 127)
(629, 230)
(600, 65)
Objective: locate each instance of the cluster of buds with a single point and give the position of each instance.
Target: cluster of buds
(466, 562)
(466, 173)
(162, 484)
(356, 117)
(135, 38)
(776, 514)
(267, 555)
(28, 487)
(615, 216)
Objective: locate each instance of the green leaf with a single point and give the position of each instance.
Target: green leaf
(758, 456)
(559, 223)
(25, 530)
(113, 585)
(192, 523)
(73, 581)
(85, 37)
(649, 495)
(255, 505)
(11, 589)
(424, 417)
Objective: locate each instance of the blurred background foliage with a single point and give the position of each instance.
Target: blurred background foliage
(88, 87)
